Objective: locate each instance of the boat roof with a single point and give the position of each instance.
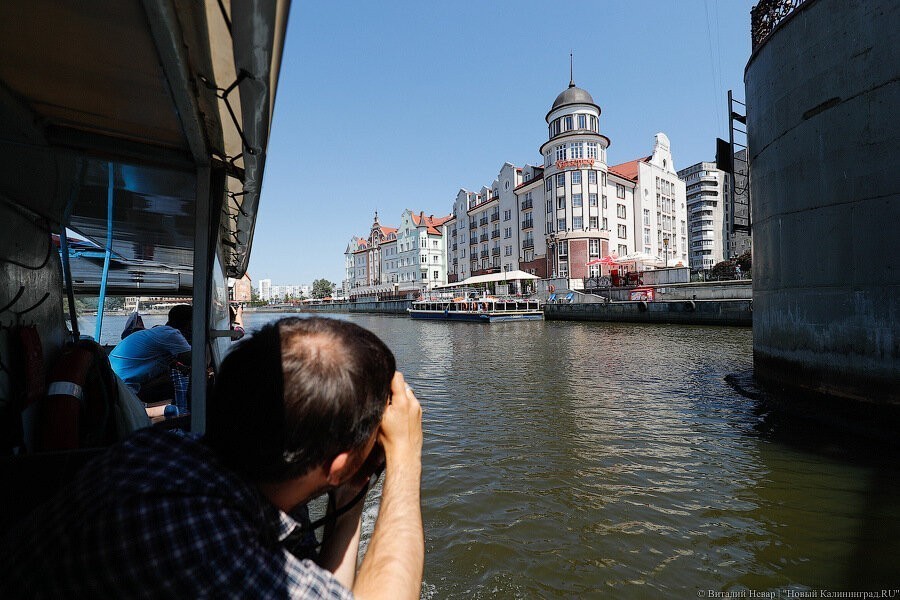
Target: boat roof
(150, 97)
(492, 277)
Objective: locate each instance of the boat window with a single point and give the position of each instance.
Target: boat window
(218, 312)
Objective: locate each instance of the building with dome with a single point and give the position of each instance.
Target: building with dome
(577, 208)
(554, 220)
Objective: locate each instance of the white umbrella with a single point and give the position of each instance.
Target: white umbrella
(637, 257)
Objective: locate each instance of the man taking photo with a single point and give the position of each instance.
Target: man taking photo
(302, 408)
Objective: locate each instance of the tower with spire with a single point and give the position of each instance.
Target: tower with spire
(574, 178)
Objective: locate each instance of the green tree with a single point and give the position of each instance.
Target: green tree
(322, 288)
(745, 261)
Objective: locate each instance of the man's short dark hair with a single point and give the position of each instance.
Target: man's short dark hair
(296, 394)
(180, 316)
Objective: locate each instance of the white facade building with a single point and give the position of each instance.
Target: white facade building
(483, 229)
(265, 289)
(661, 202)
(397, 261)
(707, 193)
(289, 291)
(421, 251)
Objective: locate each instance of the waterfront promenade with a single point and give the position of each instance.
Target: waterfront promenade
(687, 304)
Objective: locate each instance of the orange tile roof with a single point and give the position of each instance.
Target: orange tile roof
(629, 170)
(432, 223)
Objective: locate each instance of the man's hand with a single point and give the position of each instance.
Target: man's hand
(401, 426)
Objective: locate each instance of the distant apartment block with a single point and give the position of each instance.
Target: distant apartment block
(707, 192)
(269, 292)
(709, 213)
(264, 290)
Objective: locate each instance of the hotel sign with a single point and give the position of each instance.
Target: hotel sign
(578, 162)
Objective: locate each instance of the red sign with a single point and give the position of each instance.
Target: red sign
(642, 294)
(577, 162)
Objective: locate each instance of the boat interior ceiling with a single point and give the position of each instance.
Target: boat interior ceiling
(127, 112)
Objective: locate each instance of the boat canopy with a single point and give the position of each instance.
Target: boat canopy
(491, 278)
(147, 119)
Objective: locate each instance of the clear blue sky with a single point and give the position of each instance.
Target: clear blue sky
(395, 105)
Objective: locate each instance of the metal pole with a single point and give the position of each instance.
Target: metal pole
(64, 250)
(731, 160)
(67, 273)
(201, 285)
(101, 301)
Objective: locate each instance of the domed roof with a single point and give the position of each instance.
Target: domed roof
(572, 95)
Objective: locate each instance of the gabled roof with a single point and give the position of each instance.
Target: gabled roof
(629, 170)
(432, 223)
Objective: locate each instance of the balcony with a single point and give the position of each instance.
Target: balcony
(766, 16)
(483, 220)
(495, 251)
(484, 237)
(454, 246)
(495, 217)
(527, 223)
(453, 233)
(473, 240)
(528, 243)
(473, 225)
(526, 204)
(495, 234)
(484, 254)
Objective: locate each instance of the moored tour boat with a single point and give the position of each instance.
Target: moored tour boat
(484, 309)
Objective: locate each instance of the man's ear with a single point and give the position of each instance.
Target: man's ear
(335, 470)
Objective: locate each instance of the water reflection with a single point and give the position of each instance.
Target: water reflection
(601, 460)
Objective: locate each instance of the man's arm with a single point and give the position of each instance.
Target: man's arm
(392, 567)
(341, 539)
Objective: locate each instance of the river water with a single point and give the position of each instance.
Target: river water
(588, 460)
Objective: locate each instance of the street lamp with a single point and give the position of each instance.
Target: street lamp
(551, 246)
(666, 249)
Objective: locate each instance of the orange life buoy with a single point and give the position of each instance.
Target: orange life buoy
(551, 288)
(78, 409)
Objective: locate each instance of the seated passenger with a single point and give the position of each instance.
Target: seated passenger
(144, 359)
(301, 408)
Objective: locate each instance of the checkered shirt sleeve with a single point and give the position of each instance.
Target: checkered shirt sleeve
(159, 517)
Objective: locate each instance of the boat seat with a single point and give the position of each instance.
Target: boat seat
(570, 297)
(552, 298)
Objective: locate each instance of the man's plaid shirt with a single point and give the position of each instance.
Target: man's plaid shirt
(158, 517)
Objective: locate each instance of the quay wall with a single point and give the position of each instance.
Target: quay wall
(684, 312)
(720, 290)
(822, 92)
